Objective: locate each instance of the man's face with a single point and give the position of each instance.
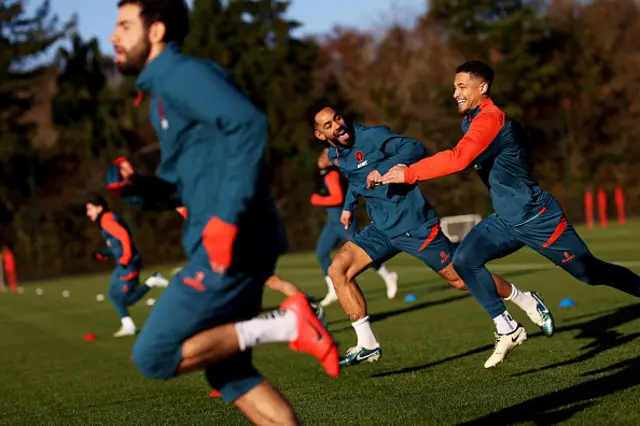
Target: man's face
(333, 128)
(93, 211)
(469, 91)
(130, 40)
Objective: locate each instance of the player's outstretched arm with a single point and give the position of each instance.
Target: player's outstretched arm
(483, 130)
(143, 192)
(111, 225)
(204, 93)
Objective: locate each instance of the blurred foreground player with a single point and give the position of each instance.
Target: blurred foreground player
(213, 163)
(525, 215)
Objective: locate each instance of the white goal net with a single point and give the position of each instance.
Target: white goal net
(456, 227)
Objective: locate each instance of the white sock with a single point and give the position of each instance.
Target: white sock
(127, 323)
(276, 326)
(505, 323)
(330, 286)
(384, 272)
(524, 301)
(366, 339)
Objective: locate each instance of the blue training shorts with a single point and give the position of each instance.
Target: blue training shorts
(198, 299)
(427, 243)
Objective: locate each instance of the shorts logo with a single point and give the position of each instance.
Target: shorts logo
(567, 257)
(195, 282)
(444, 257)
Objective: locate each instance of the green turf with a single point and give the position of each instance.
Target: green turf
(431, 372)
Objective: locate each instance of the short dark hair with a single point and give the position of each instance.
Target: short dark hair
(317, 107)
(314, 109)
(477, 69)
(97, 200)
(174, 14)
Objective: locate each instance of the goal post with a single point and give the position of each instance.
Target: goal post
(456, 227)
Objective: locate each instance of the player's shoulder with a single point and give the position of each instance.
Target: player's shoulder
(488, 109)
(372, 130)
(376, 135)
(188, 69)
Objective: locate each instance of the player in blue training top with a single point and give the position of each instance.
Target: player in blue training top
(402, 220)
(525, 215)
(330, 195)
(212, 141)
(125, 288)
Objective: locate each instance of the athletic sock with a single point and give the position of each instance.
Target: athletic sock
(523, 300)
(330, 287)
(505, 323)
(276, 326)
(384, 272)
(366, 338)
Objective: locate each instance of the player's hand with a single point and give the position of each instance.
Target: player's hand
(345, 218)
(120, 174)
(394, 175)
(99, 256)
(374, 178)
(218, 238)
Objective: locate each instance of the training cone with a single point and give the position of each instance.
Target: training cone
(214, 394)
(567, 303)
(89, 337)
(410, 298)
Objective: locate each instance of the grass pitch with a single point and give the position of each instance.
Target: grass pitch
(431, 372)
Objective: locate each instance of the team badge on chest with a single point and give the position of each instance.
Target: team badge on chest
(360, 159)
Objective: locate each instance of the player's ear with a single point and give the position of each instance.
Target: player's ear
(157, 31)
(319, 135)
(483, 88)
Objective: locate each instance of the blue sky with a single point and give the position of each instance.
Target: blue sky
(97, 17)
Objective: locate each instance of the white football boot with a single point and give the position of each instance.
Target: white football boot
(125, 331)
(157, 280)
(504, 344)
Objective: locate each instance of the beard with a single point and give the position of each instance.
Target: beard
(134, 59)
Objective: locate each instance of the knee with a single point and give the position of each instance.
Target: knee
(464, 259)
(339, 270)
(583, 269)
(153, 363)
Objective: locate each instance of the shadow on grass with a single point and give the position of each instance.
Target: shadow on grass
(389, 314)
(558, 406)
(599, 329)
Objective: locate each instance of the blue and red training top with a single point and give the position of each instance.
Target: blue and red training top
(495, 146)
(117, 236)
